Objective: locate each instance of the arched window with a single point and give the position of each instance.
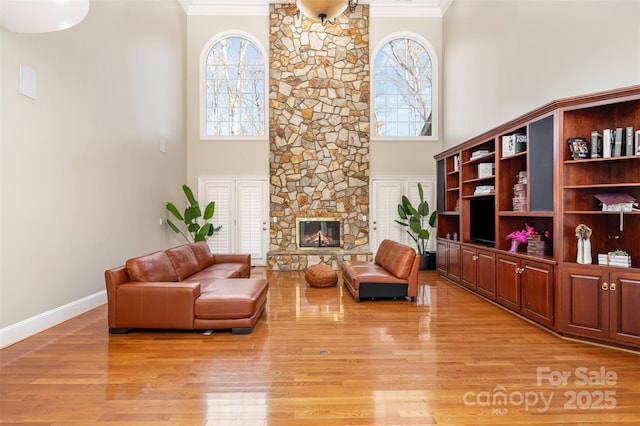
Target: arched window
(233, 88)
(404, 83)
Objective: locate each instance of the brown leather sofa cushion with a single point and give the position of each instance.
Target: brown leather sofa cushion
(151, 267)
(231, 298)
(396, 258)
(203, 254)
(184, 261)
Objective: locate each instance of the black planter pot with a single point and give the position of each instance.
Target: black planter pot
(428, 261)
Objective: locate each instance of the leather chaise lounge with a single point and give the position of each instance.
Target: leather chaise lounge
(393, 274)
(185, 287)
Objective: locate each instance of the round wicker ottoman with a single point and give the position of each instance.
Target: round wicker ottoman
(321, 275)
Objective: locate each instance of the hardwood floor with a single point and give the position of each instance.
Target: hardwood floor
(318, 358)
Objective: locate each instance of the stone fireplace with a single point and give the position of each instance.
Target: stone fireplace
(318, 134)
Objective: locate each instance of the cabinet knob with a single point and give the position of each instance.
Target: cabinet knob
(605, 286)
(612, 286)
(475, 257)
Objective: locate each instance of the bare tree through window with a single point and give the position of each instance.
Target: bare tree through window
(235, 86)
(403, 89)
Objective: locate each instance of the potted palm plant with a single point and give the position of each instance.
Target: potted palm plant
(419, 222)
(191, 218)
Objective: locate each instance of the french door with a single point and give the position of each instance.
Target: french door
(242, 209)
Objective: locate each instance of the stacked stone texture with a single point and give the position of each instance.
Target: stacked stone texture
(319, 130)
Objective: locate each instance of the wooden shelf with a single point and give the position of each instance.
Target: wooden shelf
(479, 196)
(559, 195)
(482, 179)
(479, 159)
(602, 185)
(517, 155)
(598, 160)
(598, 212)
(525, 214)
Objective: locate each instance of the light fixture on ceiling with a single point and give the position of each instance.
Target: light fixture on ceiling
(41, 16)
(324, 10)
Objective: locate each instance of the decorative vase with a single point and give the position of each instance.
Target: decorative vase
(584, 251)
(514, 245)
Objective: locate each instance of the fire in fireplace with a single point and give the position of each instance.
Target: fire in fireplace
(318, 232)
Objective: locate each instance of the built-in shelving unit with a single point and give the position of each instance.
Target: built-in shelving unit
(528, 176)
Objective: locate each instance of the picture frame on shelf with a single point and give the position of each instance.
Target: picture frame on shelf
(579, 148)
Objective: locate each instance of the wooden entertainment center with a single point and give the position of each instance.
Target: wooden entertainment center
(523, 173)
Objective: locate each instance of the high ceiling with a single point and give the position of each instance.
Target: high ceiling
(386, 8)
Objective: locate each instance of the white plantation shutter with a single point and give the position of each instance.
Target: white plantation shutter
(386, 196)
(252, 214)
(220, 192)
(242, 208)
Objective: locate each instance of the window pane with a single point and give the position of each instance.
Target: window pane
(402, 81)
(235, 82)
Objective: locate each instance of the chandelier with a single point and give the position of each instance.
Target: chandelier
(324, 10)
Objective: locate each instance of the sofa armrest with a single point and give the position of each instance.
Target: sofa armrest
(155, 305)
(232, 258)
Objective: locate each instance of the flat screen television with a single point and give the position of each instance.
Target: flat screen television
(482, 224)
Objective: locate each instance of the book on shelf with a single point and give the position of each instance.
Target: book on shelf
(617, 143)
(521, 142)
(513, 144)
(628, 134)
(607, 140)
(609, 259)
(484, 190)
(479, 153)
(596, 144)
(637, 142)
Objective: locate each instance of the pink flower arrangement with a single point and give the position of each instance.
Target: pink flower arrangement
(521, 236)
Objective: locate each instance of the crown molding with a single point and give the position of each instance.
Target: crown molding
(378, 8)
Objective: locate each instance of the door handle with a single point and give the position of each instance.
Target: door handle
(612, 286)
(605, 286)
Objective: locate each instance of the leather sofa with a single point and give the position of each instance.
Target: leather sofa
(393, 274)
(185, 287)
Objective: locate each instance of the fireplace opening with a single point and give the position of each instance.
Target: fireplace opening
(319, 232)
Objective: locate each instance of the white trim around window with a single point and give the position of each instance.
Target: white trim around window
(203, 85)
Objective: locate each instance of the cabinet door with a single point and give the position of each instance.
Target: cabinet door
(454, 261)
(469, 267)
(508, 282)
(441, 257)
(584, 303)
(486, 282)
(624, 304)
(536, 282)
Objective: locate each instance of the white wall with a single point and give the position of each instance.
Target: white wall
(503, 58)
(83, 182)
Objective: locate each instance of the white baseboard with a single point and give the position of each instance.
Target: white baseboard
(23, 329)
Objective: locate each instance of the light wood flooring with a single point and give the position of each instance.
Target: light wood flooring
(318, 358)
